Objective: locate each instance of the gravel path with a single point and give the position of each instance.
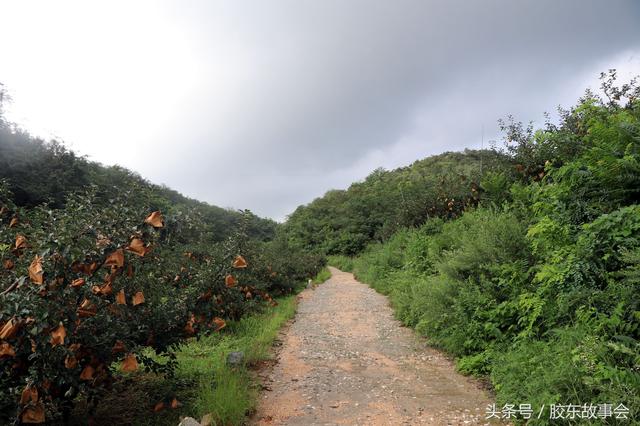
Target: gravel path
(346, 361)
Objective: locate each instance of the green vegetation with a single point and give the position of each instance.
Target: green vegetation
(344, 222)
(202, 382)
(322, 276)
(536, 286)
(523, 263)
(344, 263)
(101, 271)
(38, 172)
(229, 393)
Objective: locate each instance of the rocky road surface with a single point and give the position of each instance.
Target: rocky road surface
(346, 361)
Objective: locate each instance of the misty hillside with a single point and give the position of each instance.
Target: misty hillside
(101, 268)
(39, 172)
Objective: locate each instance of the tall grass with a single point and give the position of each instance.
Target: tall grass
(475, 288)
(344, 263)
(322, 276)
(223, 391)
(203, 383)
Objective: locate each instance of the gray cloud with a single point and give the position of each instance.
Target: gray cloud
(303, 96)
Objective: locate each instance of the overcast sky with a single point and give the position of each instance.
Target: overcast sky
(268, 104)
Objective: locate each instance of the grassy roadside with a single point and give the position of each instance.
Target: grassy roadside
(343, 263)
(322, 276)
(225, 392)
(202, 383)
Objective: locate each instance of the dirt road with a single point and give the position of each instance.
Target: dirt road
(346, 361)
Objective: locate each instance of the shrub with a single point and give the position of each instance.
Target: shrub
(343, 263)
(86, 288)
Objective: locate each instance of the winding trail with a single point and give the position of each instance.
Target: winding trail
(346, 361)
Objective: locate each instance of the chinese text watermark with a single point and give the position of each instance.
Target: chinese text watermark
(558, 411)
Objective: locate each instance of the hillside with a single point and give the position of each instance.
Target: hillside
(106, 279)
(39, 172)
(344, 222)
(522, 262)
(535, 286)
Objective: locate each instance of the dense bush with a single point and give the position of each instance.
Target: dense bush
(344, 263)
(97, 264)
(537, 287)
(92, 284)
(344, 222)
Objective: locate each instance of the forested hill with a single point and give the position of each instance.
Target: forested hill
(345, 221)
(47, 172)
(534, 285)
